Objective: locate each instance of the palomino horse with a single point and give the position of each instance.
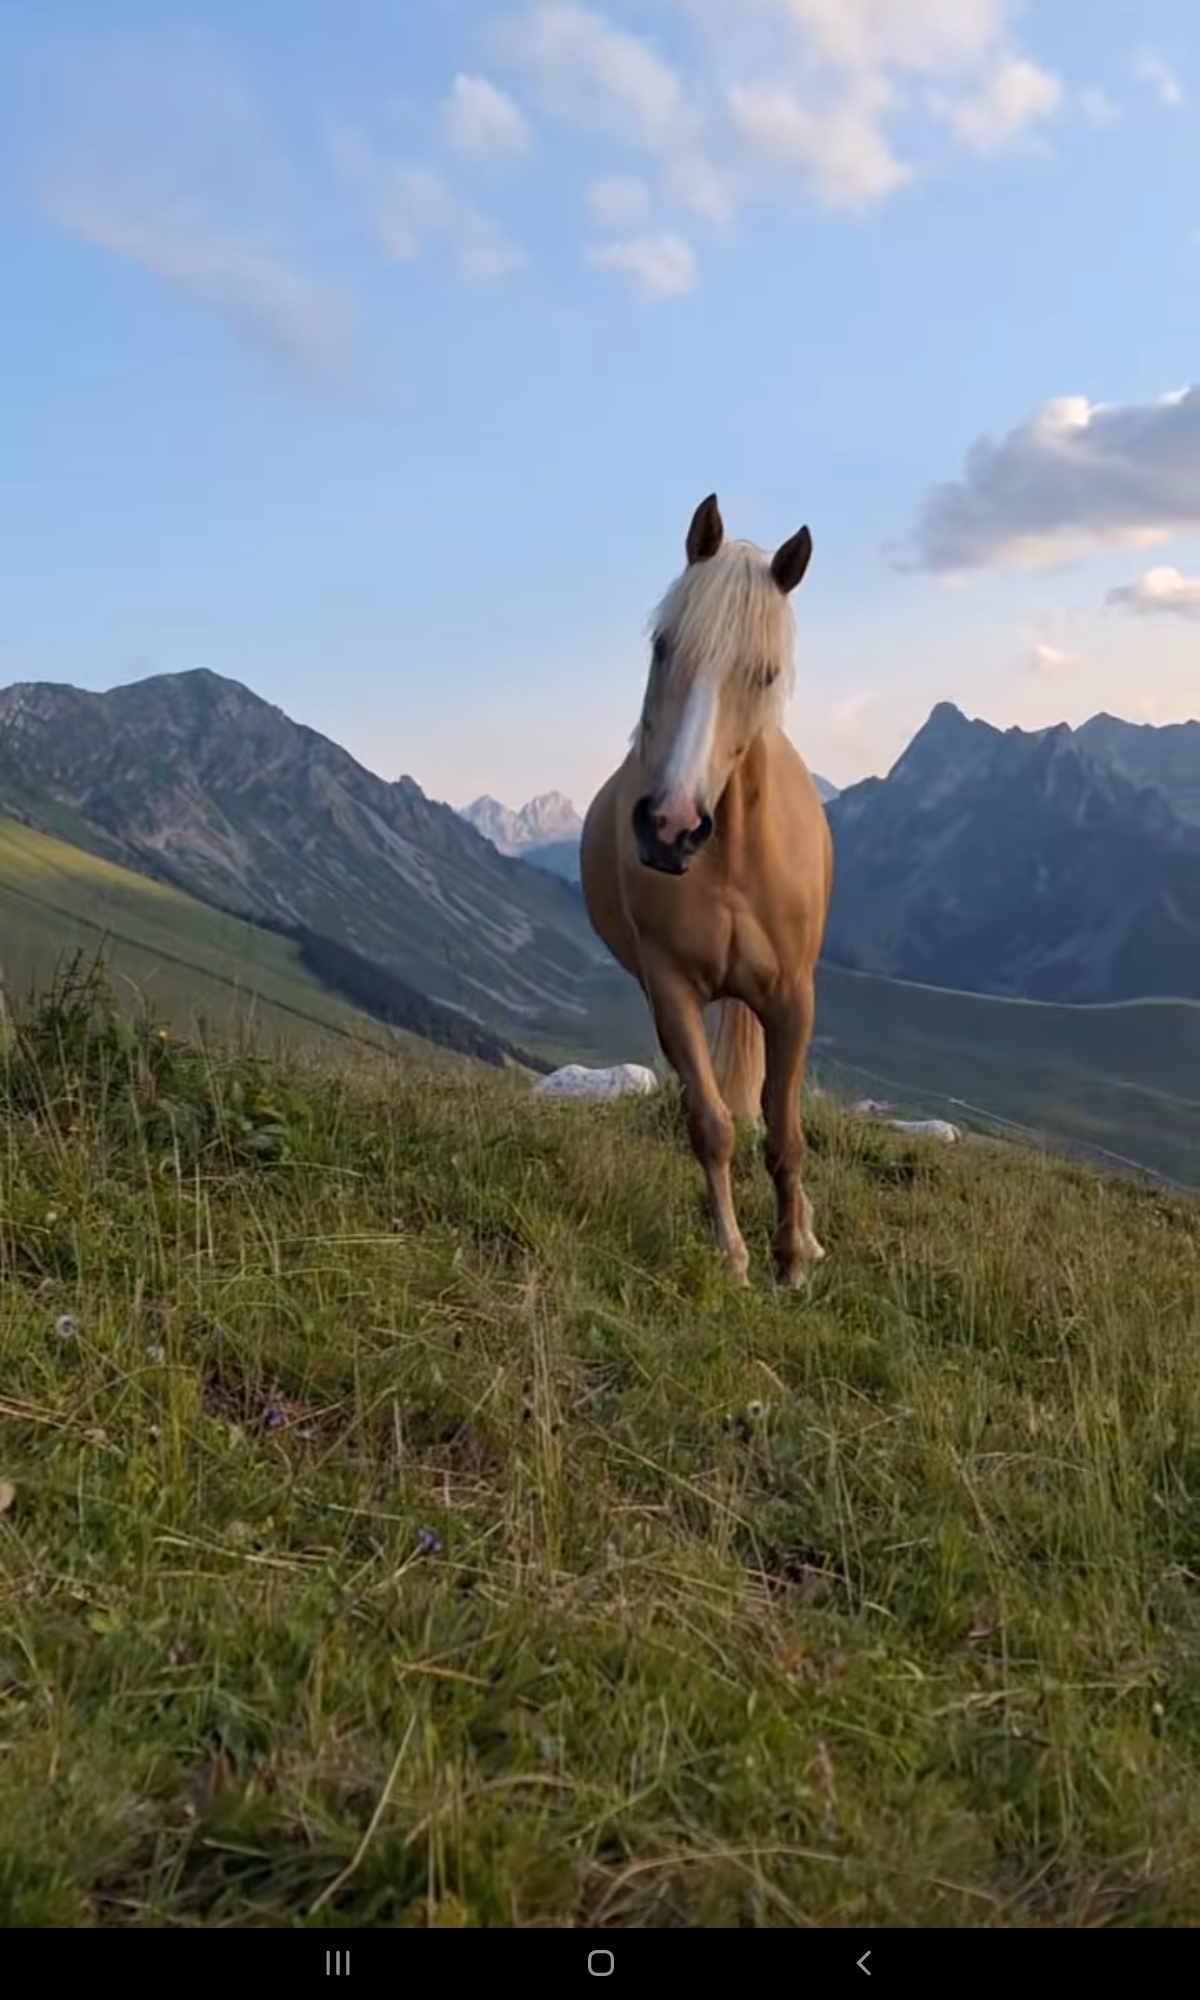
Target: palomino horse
(707, 866)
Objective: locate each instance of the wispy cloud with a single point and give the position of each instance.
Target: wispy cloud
(156, 152)
(481, 121)
(1075, 476)
(409, 207)
(263, 298)
(589, 72)
(1164, 592)
(660, 266)
(1153, 71)
(1048, 661)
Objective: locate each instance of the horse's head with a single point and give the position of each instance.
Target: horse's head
(723, 640)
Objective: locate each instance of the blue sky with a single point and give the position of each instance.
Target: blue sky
(376, 354)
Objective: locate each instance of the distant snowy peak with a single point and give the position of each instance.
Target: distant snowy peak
(549, 817)
(494, 821)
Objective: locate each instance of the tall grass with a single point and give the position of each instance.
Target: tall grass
(401, 1523)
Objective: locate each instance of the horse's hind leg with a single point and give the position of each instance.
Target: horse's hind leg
(788, 1026)
(679, 1019)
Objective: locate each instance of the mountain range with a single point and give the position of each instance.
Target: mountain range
(240, 869)
(1058, 864)
(1055, 864)
(547, 819)
(545, 832)
(194, 780)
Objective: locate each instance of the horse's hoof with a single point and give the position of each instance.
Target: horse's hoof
(794, 1277)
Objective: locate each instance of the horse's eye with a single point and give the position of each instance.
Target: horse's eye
(767, 676)
(658, 651)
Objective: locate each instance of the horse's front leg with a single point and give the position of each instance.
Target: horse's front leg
(788, 1026)
(679, 1020)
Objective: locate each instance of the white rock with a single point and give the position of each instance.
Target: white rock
(626, 1080)
(925, 1128)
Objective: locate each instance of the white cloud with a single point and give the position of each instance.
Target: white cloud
(851, 62)
(617, 202)
(482, 122)
(842, 150)
(409, 207)
(155, 151)
(592, 74)
(661, 266)
(764, 98)
(1076, 476)
(1014, 96)
(589, 72)
(928, 37)
(1049, 660)
(1162, 592)
(1161, 79)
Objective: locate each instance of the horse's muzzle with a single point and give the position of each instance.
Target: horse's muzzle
(668, 858)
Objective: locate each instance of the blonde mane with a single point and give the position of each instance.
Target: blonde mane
(729, 615)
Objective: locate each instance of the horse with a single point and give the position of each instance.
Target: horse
(707, 866)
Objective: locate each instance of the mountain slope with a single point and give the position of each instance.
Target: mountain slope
(1015, 863)
(1123, 1079)
(557, 857)
(195, 779)
(189, 963)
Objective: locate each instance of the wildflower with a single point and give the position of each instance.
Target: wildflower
(755, 1412)
(156, 1352)
(274, 1416)
(429, 1544)
(66, 1326)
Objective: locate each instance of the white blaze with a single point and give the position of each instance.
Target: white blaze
(685, 774)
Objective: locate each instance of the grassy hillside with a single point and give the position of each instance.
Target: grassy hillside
(189, 963)
(1125, 1078)
(401, 1524)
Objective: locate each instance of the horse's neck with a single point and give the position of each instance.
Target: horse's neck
(742, 794)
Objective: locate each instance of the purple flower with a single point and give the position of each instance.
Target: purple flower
(274, 1416)
(429, 1544)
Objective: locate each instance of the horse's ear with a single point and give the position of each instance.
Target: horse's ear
(707, 531)
(789, 563)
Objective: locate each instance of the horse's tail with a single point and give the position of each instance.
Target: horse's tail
(739, 1058)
